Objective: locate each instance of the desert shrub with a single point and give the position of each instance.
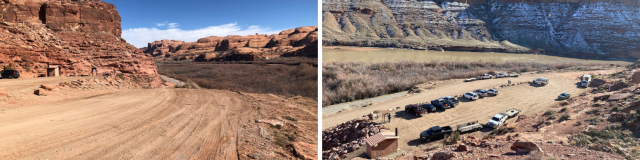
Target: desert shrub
(563, 109)
(494, 132)
(564, 117)
(350, 81)
(534, 156)
(451, 139)
(281, 77)
(578, 123)
(279, 139)
(276, 126)
(615, 108)
(290, 118)
(550, 114)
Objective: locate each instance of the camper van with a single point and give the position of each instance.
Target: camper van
(586, 79)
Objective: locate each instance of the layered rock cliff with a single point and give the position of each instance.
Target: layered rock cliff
(77, 35)
(301, 41)
(606, 28)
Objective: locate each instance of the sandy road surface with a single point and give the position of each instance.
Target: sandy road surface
(158, 123)
(526, 97)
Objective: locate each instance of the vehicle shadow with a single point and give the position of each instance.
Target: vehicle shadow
(415, 142)
(462, 99)
(579, 85)
(535, 85)
(405, 115)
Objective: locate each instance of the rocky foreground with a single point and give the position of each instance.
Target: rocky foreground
(77, 35)
(580, 28)
(301, 42)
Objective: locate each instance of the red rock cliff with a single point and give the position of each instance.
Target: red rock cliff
(76, 35)
(293, 42)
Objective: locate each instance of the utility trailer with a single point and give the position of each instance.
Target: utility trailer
(469, 127)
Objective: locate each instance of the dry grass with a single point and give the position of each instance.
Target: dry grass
(279, 79)
(349, 81)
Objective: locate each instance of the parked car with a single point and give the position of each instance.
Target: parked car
(440, 104)
(451, 101)
(471, 96)
(469, 79)
(10, 74)
(429, 107)
(493, 92)
(513, 75)
(481, 92)
(415, 109)
(485, 76)
(541, 81)
(564, 95)
(586, 79)
(435, 132)
(501, 75)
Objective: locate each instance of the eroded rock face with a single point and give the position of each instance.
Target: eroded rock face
(607, 28)
(76, 35)
(301, 41)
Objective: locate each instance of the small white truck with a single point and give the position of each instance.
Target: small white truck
(500, 118)
(586, 79)
(541, 81)
(485, 76)
(469, 127)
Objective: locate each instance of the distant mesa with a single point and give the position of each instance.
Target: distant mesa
(302, 42)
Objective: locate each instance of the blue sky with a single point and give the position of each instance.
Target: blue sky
(147, 21)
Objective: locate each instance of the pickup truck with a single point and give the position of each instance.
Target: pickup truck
(415, 109)
(485, 76)
(441, 104)
(452, 101)
(493, 92)
(469, 127)
(481, 92)
(513, 75)
(499, 119)
(435, 132)
(471, 96)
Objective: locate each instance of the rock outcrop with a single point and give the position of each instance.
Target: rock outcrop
(301, 41)
(77, 35)
(580, 28)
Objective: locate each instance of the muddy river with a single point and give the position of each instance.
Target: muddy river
(330, 54)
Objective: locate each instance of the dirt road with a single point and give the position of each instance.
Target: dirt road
(161, 123)
(526, 97)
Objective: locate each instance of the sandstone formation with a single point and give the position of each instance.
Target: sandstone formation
(580, 28)
(301, 41)
(77, 35)
(347, 137)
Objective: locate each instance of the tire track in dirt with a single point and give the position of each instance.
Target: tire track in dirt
(138, 124)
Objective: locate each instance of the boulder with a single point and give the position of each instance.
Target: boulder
(635, 78)
(443, 155)
(463, 147)
(40, 92)
(305, 151)
(48, 87)
(618, 96)
(597, 82)
(602, 97)
(526, 146)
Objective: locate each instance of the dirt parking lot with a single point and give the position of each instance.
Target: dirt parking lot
(526, 97)
(161, 123)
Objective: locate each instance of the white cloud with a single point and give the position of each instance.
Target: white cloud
(139, 37)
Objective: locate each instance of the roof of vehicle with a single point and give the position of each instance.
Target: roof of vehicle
(586, 75)
(565, 93)
(470, 93)
(492, 90)
(500, 115)
(501, 73)
(542, 78)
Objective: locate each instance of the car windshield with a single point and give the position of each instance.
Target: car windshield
(498, 119)
(563, 94)
(584, 81)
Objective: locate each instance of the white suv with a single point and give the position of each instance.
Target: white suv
(471, 96)
(500, 75)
